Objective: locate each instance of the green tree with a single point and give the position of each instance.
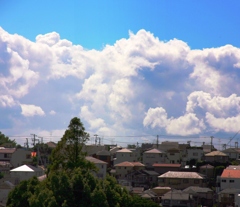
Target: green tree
(68, 153)
(4, 139)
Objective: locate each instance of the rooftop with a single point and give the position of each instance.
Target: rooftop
(191, 175)
(231, 173)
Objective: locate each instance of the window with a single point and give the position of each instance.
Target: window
(185, 181)
(231, 181)
(28, 156)
(195, 154)
(196, 181)
(7, 155)
(223, 181)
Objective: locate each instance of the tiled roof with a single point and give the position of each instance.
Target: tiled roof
(216, 153)
(130, 164)
(234, 167)
(191, 175)
(95, 160)
(206, 166)
(7, 150)
(196, 189)
(124, 151)
(153, 151)
(165, 165)
(104, 153)
(176, 195)
(230, 173)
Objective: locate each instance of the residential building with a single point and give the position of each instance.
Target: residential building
(5, 188)
(202, 196)
(124, 168)
(233, 153)
(173, 156)
(162, 168)
(105, 156)
(207, 170)
(6, 154)
(216, 156)
(181, 180)
(153, 156)
(125, 155)
(20, 157)
(164, 146)
(101, 166)
(230, 178)
(193, 153)
(143, 178)
(177, 198)
(228, 197)
(25, 172)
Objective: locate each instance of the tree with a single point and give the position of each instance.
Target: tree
(4, 139)
(70, 182)
(68, 153)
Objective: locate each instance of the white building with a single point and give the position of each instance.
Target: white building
(25, 172)
(125, 155)
(230, 178)
(101, 166)
(153, 156)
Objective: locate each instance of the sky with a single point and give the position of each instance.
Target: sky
(130, 70)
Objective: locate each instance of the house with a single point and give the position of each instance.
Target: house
(162, 168)
(143, 178)
(20, 157)
(201, 195)
(207, 170)
(193, 153)
(233, 153)
(6, 154)
(230, 178)
(177, 198)
(125, 155)
(173, 156)
(92, 149)
(216, 156)
(181, 180)
(164, 146)
(228, 197)
(160, 191)
(153, 156)
(151, 195)
(124, 168)
(101, 166)
(5, 188)
(25, 172)
(208, 148)
(105, 156)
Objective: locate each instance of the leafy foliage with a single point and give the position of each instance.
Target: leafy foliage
(70, 182)
(4, 139)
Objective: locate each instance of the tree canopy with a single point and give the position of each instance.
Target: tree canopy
(5, 139)
(70, 182)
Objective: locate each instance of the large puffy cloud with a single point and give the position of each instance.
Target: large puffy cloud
(137, 85)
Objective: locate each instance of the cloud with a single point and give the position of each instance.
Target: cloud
(31, 110)
(138, 85)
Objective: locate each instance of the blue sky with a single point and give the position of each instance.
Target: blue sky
(126, 68)
(93, 24)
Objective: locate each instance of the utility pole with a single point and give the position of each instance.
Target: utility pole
(95, 135)
(157, 142)
(34, 139)
(211, 142)
(26, 144)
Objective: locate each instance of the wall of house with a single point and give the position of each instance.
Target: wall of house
(229, 183)
(173, 157)
(179, 183)
(150, 158)
(20, 157)
(125, 156)
(194, 153)
(122, 171)
(102, 170)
